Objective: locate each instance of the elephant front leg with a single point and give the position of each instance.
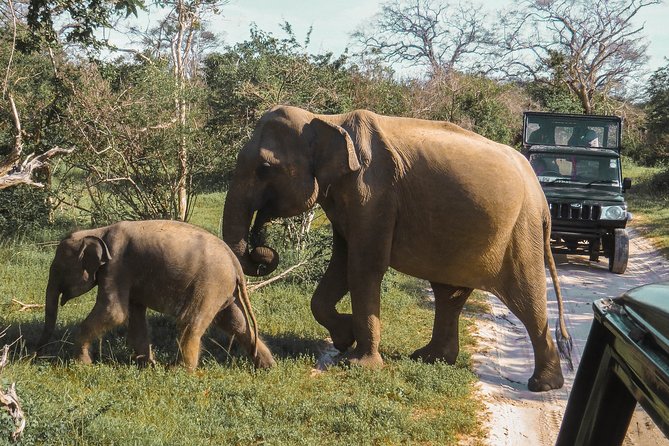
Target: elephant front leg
(366, 305)
(369, 247)
(444, 345)
(108, 312)
(330, 290)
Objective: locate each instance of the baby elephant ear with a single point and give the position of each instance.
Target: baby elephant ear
(93, 253)
(334, 153)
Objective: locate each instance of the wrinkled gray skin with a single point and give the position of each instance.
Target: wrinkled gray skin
(171, 267)
(427, 198)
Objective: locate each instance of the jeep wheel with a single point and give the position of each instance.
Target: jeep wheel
(619, 252)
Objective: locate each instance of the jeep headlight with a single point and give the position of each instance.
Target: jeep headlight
(613, 213)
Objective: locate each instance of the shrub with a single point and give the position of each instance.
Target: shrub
(22, 209)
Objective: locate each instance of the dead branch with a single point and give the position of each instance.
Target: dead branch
(11, 159)
(257, 285)
(25, 306)
(10, 401)
(165, 125)
(22, 174)
(5, 84)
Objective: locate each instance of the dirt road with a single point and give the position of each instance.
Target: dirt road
(519, 417)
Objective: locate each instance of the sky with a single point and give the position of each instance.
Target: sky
(333, 21)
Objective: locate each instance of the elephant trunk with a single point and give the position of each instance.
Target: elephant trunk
(238, 214)
(51, 308)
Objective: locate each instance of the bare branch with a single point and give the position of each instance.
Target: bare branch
(257, 285)
(589, 46)
(10, 161)
(23, 174)
(427, 32)
(5, 84)
(25, 306)
(10, 400)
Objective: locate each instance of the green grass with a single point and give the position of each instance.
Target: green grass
(648, 200)
(225, 401)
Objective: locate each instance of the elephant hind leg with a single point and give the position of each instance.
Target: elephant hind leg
(191, 327)
(231, 320)
(444, 345)
(527, 301)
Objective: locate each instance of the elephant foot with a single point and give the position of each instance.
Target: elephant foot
(430, 355)
(84, 357)
(342, 335)
(144, 361)
(366, 360)
(263, 359)
(546, 381)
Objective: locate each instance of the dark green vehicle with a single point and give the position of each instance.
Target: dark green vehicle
(625, 361)
(577, 161)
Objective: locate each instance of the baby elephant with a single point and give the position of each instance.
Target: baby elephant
(171, 267)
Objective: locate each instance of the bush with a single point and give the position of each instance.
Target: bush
(22, 209)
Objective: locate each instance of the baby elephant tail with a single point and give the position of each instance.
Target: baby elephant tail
(564, 341)
(248, 312)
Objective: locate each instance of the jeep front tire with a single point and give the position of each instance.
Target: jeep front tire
(619, 251)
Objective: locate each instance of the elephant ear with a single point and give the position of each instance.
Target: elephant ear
(93, 253)
(334, 153)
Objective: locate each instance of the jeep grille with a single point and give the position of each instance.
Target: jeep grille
(574, 211)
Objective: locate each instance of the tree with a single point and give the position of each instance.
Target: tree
(184, 37)
(252, 76)
(20, 72)
(657, 118)
(123, 116)
(430, 33)
(79, 19)
(591, 46)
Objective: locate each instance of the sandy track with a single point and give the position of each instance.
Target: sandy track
(505, 361)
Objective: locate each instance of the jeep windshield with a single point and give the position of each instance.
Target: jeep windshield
(572, 130)
(576, 169)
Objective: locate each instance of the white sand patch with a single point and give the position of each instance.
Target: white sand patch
(505, 360)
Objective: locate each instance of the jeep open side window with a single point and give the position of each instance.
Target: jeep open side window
(567, 130)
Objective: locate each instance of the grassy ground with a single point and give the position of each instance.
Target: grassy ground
(225, 401)
(648, 200)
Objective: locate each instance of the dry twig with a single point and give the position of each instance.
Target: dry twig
(10, 401)
(25, 306)
(257, 285)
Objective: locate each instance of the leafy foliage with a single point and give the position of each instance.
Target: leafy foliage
(473, 102)
(657, 118)
(251, 77)
(123, 119)
(22, 209)
(83, 18)
(554, 98)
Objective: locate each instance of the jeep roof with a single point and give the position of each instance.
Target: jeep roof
(568, 130)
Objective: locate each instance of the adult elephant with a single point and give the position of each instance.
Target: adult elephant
(427, 198)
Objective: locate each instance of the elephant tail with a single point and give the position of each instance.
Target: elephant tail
(248, 312)
(564, 340)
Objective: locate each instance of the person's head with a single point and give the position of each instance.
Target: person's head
(590, 138)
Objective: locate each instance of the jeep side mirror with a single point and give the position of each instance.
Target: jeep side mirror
(627, 183)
